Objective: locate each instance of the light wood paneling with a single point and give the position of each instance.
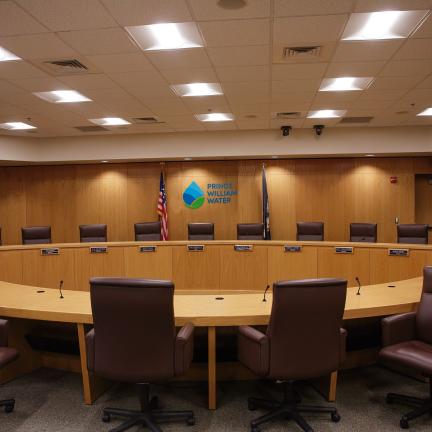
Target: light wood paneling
(151, 265)
(423, 201)
(11, 268)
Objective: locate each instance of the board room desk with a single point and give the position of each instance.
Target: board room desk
(201, 309)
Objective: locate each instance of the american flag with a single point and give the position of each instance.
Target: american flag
(162, 208)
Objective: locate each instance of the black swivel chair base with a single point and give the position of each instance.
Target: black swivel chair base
(149, 415)
(421, 406)
(288, 409)
(8, 405)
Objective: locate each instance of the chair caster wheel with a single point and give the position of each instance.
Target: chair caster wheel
(190, 421)
(404, 423)
(255, 429)
(106, 418)
(251, 406)
(9, 408)
(335, 417)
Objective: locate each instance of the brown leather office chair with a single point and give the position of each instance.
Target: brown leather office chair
(201, 231)
(363, 232)
(36, 235)
(93, 233)
(250, 231)
(412, 233)
(310, 231)
(148, 231)
(134, 341)
(7, 355)
(304, 340)
(407, 340)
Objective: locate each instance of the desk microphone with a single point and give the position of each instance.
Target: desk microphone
(359, 285)
(60, 289)
(265, 292)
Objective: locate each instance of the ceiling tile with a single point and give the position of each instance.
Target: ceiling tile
(390, 83)
(419, 95)
(150, 92)
(366, 50)
(388, 95)
(102, 41)
(179, 59)
(415, 49)
(232, 33)
(20, 69)
(209, 10)
(243, 109)
(291, 106)
(88, 82)
(426, 84)
(302, 70)
(292, 98)
(163, 107)
(183, 122)
(243, 73)
(240, 56)
(226, 125)
(407, 68)
(368, 103)
(37, 46)
(129, 62)
(251, 124)
(383, 5)
(63, 15)
(296, 85)
(179, 76)
(354, 69)
(312, 29)
(14, 21)
(425, 30)
(205, 104)
(138, 78)
(336, 98)
(139, 12)
(39, 84)
(312, 7)
(243, 90)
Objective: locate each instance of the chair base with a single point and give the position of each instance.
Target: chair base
(8, 404)
(149, 416)
(421, 407)
(288, 409)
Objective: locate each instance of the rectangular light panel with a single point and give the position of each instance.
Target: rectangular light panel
(328, 113)
(426, 112)
(197, 89)
(345, 84)
(6, 55)
(16, 126)
(110, 121)
(215, 117)
(62, 96)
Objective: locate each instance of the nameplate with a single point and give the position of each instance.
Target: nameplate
(98, 249)
(288, 248)
(50, 251)
(398, 252)
(195, 248)
(243, 248)
(344, 250)
(147, 248)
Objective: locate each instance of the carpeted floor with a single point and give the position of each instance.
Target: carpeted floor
(50, 400)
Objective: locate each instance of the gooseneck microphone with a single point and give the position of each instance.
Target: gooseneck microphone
(60, 289)
(359, 285)
(265, 292)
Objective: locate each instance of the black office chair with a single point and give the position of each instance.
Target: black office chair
(310, 231)
(250, 231)
(36, 235)
(201, 231)
(93, 233)
(363, 232)
(412, 233)
(148, 231)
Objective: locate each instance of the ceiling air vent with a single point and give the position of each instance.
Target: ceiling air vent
(91, 128)
(305, 51)
(59, 67)
(356, 120)
(287, 115)
(146, 120)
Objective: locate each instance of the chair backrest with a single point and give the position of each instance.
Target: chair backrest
(148, 231)
(134, 328)
(310, 231)
(36, 235)
(412, 233)
(424, 311)
(93, 233)
(304, 328)
(250, 231)
(201, 231)
(363, 232)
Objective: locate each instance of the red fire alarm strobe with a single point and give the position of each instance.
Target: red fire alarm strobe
(393, 179)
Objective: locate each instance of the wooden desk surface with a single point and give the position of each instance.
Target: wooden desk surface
(202, 309)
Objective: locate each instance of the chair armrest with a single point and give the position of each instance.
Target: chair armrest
(184, 349)
(253, 350)
(90, 345)
(398, 328)
(4, 325)
(342, 349)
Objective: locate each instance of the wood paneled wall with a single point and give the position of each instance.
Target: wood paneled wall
(336, 191)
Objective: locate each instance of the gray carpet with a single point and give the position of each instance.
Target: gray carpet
(49, 400)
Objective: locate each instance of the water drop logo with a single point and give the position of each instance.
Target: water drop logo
(193, 196)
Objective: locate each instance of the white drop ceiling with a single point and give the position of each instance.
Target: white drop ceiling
(242, 52)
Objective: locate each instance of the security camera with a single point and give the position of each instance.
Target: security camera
(285, 130)
(318, 129)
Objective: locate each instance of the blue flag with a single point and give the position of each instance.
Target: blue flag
(265, 207)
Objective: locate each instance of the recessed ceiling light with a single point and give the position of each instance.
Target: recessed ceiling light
(197, 89)
(382, 25)
(62, 96)
(426, 112)
(16, 126)
(6, 55)
(104, 161)
(110, 121)
(275, 157)
(187, 158)
(167, 36)
(369, 155)
(215, 117)
(345, 84)
(326, 113)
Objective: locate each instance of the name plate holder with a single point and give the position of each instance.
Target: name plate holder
(292, 248)
(50, 251)
(195, 248)
(98, 249)
(398, 252)
(344, 249)
(243, 248)
(143, 249)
